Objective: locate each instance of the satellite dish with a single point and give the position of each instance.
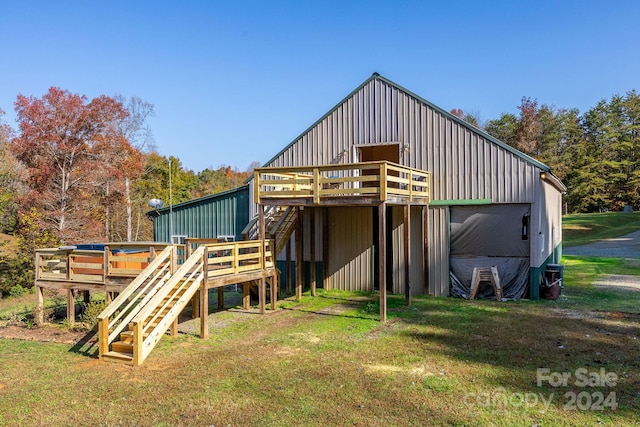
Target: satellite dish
(156, 203)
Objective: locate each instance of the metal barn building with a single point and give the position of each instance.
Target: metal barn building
(221, 215)
(490, 205)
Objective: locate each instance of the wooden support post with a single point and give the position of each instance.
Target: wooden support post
(382, 259)
(246, 295)
(289, 270)
(274, 290)
(325, 248)
(204, 311)
(221, 298)
(87, 297)
(312, 249)
(407, 254)
(195, 306)
(103, 337)
(262, 294)
(39, 305)
(71, 306)
(173, 331)
(138, 341)
(299, 256)
(261, 234)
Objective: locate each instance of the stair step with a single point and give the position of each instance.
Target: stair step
(122, 347)
(115, 356)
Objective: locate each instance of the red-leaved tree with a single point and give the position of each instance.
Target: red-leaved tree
(63, 141)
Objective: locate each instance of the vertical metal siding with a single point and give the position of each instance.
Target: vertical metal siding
(350, 265)
(396, 247)
(438, 251)
(210, 217)
(417, 264)
(463, 164)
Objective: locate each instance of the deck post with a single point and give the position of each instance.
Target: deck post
(274, 290)
(407, 254)
(138, 344)
(299, 255)
(173, 331)
(325, 248)
(39, 305)
(204, 311)
(288, 267)
(103, 337)
(312, 249)
(71, 306)
(246, 295)
(195, 306)
(382, 259)
(221, 298)
(262, 294)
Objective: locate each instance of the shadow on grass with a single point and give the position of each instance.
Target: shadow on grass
(87, 345)
(509, 342)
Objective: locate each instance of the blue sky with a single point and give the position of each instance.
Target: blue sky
(235, 81)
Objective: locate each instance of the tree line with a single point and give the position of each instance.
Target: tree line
(595, 154)
(83, 170)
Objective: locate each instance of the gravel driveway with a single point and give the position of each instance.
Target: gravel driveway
(627, 246)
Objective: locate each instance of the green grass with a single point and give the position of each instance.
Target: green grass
(579, 292)
(580, 229)
(326, 360)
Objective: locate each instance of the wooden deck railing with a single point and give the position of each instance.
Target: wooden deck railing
(378, 179)
(125, 260)
(238, 257)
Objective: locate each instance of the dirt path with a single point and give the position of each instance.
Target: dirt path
(627, 246)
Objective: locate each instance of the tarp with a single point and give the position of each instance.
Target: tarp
(485, 236)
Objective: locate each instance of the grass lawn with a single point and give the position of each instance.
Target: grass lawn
(580, 229)
(326, 360)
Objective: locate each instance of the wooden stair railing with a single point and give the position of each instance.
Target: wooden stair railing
(279, 225)
(155, 318)
(116, 317)
(281, 230)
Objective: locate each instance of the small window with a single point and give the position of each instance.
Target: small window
(227, 238)
(178, 239)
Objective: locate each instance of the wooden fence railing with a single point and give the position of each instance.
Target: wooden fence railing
(381, 179)
(68, 264)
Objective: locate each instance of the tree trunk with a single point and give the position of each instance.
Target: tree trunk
(127, 196)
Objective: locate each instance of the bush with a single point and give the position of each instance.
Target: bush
(91, 312)
(16, 291)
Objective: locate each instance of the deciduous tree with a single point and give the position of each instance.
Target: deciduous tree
(57, 142)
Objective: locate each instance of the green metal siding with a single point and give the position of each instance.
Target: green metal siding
(222, 214)
(535, 273)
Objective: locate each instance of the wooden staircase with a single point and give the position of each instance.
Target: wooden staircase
(280, 222)
(131, 326)
(122, 350)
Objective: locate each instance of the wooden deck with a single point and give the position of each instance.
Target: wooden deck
(377, 184)
(113, 269)
(354, 184)
(137, 319)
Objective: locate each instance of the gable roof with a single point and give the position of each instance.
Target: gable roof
(210, 197)
(376, 76)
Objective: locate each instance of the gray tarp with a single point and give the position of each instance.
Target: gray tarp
(484, 236)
